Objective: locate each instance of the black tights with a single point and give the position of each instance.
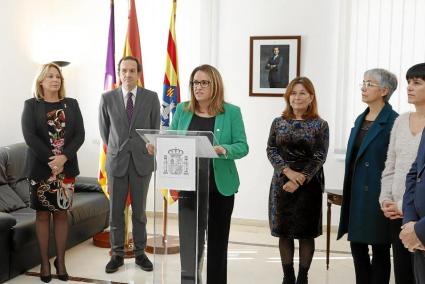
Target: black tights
(306, 251)
(42, 225)
(375, 271)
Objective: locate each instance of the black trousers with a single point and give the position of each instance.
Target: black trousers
(419, 263)
(402, 258)
(376, 271)
(196, 211)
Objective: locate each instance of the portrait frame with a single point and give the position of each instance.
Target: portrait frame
(273, 62)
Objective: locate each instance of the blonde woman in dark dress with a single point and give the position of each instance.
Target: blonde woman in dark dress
(53, 129)
(297, 149)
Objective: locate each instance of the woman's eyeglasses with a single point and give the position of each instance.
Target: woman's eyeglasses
(368, 84)
(203, 83)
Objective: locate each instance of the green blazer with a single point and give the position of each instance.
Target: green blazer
(229, 132)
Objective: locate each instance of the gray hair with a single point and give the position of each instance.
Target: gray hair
(385, 79)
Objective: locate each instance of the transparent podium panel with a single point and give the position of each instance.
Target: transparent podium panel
(181, 190)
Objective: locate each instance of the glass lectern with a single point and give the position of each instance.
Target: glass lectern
(182, 168)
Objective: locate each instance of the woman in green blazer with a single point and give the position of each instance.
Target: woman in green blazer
(207, 111)
(361, 215)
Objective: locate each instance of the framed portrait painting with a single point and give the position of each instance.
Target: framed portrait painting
(274, 61)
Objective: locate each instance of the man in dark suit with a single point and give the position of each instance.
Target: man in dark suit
(413, 230)
(277, 77)
(128, 165)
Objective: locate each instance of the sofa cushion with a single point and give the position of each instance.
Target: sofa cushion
(22, 188)
(88, 205)
(7, 221)
(87, 187)
(16, 159)
(9, 200)
(24, 230)
(3, 163)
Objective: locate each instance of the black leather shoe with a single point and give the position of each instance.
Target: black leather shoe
(64, 276)
(46, 278)
(144, 262)
(115, 262)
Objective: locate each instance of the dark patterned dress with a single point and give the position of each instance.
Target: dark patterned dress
(301, 145)
(56, 192)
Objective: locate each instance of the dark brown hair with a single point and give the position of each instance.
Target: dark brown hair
(129, 57)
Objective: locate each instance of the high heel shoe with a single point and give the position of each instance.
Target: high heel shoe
(46, 278)
(63, 277)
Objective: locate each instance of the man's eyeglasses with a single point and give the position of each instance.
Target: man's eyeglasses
(368, 84)
(203, 83)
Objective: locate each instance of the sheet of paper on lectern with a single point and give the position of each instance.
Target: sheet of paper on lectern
(176, 167)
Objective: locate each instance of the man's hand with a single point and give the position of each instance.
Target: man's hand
(409, 238)
(150, 148)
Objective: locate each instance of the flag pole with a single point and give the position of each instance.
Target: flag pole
(166, 244)
(102, 239)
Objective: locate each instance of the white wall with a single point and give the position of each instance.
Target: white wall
(317, 23)
(210, 31)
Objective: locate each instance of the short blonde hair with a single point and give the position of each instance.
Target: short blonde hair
(217, 90)
(37, 89)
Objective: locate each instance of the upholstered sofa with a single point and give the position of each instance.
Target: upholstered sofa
(18, 243)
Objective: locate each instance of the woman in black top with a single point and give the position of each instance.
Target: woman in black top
(218, 178)
(53, 129)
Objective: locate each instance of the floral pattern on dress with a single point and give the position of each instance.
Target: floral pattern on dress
(56, 192)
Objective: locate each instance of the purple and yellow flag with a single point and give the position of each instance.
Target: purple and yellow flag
(171, 90)
(109, 84)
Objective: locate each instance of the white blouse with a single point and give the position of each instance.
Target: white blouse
(401, 154)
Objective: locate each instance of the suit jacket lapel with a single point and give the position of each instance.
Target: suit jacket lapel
(218, 128)
(68, 117)
(421, 157)
(354, 132)
(119, 101)
(186, 118)
(376, 127)
(40, 110)
(139, 105)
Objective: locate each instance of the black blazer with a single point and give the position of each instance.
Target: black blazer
(35, 131)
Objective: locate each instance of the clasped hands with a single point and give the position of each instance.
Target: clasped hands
(409, 238)
(391, 210)
(296, 179)
(56, 163)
